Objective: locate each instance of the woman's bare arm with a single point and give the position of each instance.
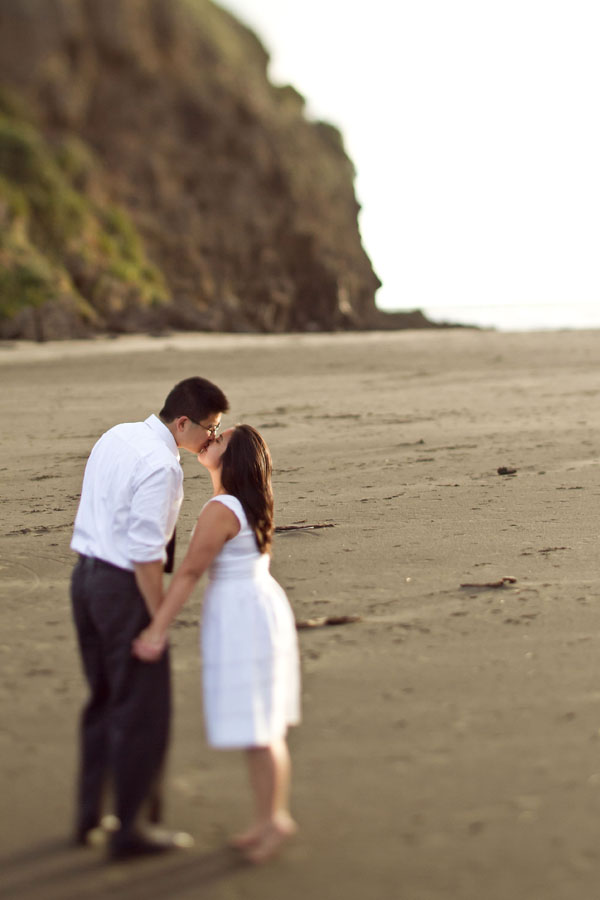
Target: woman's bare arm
(216, 525)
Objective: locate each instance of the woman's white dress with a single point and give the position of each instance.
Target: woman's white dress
(251, 672)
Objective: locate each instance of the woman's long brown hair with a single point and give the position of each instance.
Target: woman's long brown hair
(246, 473)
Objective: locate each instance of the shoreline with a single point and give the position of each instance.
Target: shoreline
(19, 351)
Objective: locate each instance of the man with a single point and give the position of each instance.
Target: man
(131, 495)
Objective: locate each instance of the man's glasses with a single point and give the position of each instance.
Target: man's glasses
(211, 430)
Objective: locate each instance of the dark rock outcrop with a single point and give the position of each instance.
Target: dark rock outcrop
(245, 207)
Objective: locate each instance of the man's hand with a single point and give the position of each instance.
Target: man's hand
(149, 646)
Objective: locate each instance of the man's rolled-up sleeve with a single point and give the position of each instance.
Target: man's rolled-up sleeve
(154, 508)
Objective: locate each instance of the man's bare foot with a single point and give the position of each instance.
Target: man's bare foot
(273, 837)
(247, 838)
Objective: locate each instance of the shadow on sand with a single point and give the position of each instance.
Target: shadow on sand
(54, 870)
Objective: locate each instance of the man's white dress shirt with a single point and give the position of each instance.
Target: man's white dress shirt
(131, 495)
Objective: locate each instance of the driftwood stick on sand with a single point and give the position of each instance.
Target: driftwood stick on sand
(327, 620)
(304, 527)
(508, 579)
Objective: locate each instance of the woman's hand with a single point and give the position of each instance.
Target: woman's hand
(149, 645)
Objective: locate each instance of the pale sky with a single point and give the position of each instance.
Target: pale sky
(474, 127)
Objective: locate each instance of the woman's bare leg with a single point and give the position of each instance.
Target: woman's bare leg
(269, 769)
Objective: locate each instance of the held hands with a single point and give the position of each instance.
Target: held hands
(149, 645)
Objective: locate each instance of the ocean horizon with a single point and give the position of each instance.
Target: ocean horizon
(513, 317)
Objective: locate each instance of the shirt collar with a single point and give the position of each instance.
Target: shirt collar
(161, 431)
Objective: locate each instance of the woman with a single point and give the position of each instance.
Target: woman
(249, 646)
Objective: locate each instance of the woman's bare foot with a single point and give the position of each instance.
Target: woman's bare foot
(248, 838)
(273, 837)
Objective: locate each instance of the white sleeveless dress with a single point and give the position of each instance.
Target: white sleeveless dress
(250, 662)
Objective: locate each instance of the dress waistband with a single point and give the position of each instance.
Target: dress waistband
(239, 568)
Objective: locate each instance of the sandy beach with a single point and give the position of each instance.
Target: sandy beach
(450, 748)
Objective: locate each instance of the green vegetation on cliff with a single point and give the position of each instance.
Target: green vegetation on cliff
(61, 243)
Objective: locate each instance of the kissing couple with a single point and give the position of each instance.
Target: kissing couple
(124, 537)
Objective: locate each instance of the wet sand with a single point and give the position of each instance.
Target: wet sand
(450, 748)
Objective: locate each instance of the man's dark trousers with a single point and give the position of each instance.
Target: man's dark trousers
(125, 723)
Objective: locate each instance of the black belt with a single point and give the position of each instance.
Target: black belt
(95, 563)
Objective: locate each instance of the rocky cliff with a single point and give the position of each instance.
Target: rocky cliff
(152, 177)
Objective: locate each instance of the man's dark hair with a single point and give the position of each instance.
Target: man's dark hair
(195, 398)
